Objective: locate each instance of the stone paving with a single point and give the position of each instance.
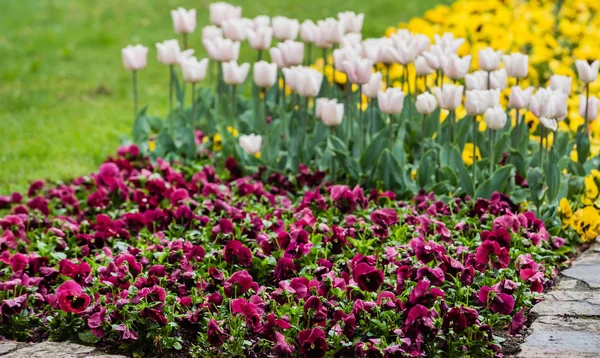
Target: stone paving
(50, 350)
(568, 320)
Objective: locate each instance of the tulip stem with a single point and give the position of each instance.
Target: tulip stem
(518, 125)
(492, 140)
(264, 120)
(279, 75)
(543, 132)
(391, 131)
(587, 102)
(371, 118)
(171, 80)
(361, 129)
(332, 133)
(193, 102)
(451, 119)
(233, 106)
(489, 80)
(423, 136)
(333, 65)
(474, 166)
(309, 54)
(135, 94)
(259, 55)
(185, 41)
(387, 76)
(283, 90)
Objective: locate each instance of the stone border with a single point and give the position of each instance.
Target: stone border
(567, 321)
(49, 349)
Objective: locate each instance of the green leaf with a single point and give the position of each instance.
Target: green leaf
(88, 337)
(426, 170)
(583, 145)
(374, 150)
(535, 179)
(497, 182)
(389, 171)
(553, 178)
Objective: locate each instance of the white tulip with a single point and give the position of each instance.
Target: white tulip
(309, 31)
(520, 98)
(422, 68)
(516, 64)
(549, 123)
(456, 67)
(352, 39)
(288, 53)
(407, 49)
(251, 143)
(447, 42)
(235, 29)
(308, 81)
(284, 28)
(211, 32)
(342, 55)
(261, 21)
(591, 105)
(359, 70)
(489, 60)
(265, 74)
(194, 71)
(562, 83)
(435, 56)
(184, 21)
(499, 79)
(221, 11)
(449, 96)
(222, 50)
(426, 103)
(169, 52)
(477, 80)
(234, 74)
(290, 75)
(422, 43)
(587, 73)
(373, 86)
(540, 104)
(320, 104)
(331, 30)
(351, 22)
(477, 102)
(134, 57)
(391, 101)
(332, 113)
(495, 117)
(260, 39)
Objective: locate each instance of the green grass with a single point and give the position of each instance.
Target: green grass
(65, 99)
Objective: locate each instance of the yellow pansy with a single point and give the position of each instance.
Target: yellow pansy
(467, 154)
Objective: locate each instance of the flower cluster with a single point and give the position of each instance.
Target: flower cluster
(145, 255)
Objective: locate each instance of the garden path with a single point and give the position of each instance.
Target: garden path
(568, 320)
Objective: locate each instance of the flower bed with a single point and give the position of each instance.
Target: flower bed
(152, 258)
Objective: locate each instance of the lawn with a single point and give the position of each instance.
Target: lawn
(64, 97)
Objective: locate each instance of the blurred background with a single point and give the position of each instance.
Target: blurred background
(65, 99)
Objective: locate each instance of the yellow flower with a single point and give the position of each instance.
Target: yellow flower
(151, 145)
(566, 212)
(467, 154)
(234, 132)
(586, 222)
(217, 142)
(257, 155)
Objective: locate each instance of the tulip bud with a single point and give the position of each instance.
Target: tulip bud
(592, 108)
(540, 104)
(342, 55)
(251, 143)
(421, 67)
(290, 53)
(169, 52)
(285, 29)
(261, 21)
(406, 48)
(359, 70)
(290, 74)
(194, 71)
(421, 43)
(477, 80)
(331, 30)
(587, 73)
(455, 67)
(560, 104)
(351, 22)
(435, 57)
(373, 86)
(448, 43)
(391, 101)
(184, 22)
(332, 113)
(234, 74)
(309, 31)
(308, 81)
(134, 57)
(370, 48)
(498, 79)
(265, 74)
(222, 50)
(320, 104)
(261, 38)
(495, 117)
(477, 102)
(520, 98)
(388, 54)
(449, 96)
(426, 103)
(211, 32)
(562, 83)
(489, 60)
(221, 11)
(516, 64)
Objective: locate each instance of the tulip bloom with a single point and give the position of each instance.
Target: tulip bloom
(351, 22)
(495, 117)
(422, 68)
(234, 29)
(489, 60)
(211, 32)
(359, 70)
(588, 108)
(260, 39)
(332, 30)
(288, 53)
(516, 64)
(562, 83)
(426, 103)
(222, 50)
(194, 71)
(251, 145)
(169, 52)
(351, 40)
(449, 96)
(373, 86)
(265, 74)
(234, 74)
(587, 72)
(184, 21)
(284, 28)
(134, 57)
(71, 298)
(391, 101)
(477, 102)
(331, 112)
(520, 98)
(447, 42)
(456, 67)
(261, 21)
(221, 11)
